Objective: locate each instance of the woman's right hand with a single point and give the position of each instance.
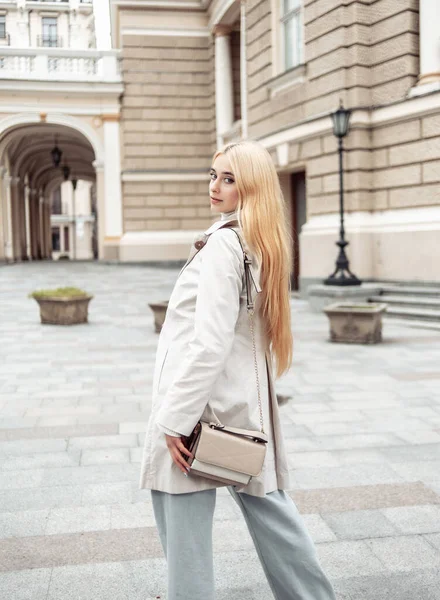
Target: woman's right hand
(176, 449)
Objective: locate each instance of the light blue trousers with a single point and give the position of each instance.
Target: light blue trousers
(284, 547)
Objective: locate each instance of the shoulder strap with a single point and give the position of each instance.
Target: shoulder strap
(247, 262)
(250, 308)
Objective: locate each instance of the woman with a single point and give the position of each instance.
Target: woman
(205, 366)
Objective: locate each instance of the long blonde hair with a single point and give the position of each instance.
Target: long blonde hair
(262, 217)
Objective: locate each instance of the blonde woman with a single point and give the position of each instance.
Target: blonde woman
(205, 365)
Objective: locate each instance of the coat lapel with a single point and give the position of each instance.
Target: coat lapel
(201, 240)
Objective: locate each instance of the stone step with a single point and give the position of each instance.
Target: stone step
(408, 322)
(408, 301)
(415, 314)
(411, 290)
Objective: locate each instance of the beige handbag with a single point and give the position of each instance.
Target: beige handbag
(227, 454)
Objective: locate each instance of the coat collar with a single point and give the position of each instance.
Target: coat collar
(225, 218)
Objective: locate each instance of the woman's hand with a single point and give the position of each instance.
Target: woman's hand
(176, 448)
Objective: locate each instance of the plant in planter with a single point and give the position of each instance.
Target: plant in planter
(356, 323)
(159, 311)
(62, 306)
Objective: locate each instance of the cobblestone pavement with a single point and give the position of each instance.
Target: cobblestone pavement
(363, 433)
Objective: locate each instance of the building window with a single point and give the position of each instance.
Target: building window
(292, 35)
(2, 27)
(66, 239)
(56, 247)
(50, 29)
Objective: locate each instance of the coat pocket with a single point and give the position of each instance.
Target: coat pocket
(161, 370)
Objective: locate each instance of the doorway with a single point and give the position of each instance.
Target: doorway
(298, 219)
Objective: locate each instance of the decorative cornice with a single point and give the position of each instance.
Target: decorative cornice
(221, 30)
(111, 117)
(98, 165)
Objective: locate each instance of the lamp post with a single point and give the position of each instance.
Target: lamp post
(342, 274)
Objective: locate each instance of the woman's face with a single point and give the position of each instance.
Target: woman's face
(222, 188)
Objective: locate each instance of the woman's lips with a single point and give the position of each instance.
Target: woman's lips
(215, 200)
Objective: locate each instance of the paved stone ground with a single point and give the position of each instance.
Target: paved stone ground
(363, 433)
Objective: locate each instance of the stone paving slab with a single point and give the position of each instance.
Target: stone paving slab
(405, 553)
(73, 431)
(362, 427)
(76, 549)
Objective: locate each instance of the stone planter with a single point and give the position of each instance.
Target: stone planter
(355, 323)
(64, 311)
(159, 311)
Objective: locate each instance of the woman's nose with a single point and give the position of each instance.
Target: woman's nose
(213, 186)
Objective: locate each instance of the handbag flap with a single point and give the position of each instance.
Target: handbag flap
(259, 435)
(231, 450)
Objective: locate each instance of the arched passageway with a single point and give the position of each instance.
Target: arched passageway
(31, 173)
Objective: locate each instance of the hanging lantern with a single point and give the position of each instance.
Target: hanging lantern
(56, 154)
(341, 119)
(66, 172)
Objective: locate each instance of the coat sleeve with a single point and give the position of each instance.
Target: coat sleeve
(216, 314)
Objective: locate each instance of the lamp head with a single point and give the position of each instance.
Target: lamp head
(56, 154)
(66, 172)
(341, 119)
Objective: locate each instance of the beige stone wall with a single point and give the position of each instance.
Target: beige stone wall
(153, 206)
(364, 54)
(168, 126)
(407, 163)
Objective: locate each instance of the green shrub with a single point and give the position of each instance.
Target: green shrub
(66, 292)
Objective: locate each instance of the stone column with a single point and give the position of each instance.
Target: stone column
(7, 215)
(224, 96)
(112, 216)
(15, 217)
(40, 236)
(22, 213)
(429, 41)
(100, 206)
(46, 229)
(101, 13)
(33, 223)
(28, 221)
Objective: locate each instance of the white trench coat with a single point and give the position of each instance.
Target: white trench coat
(205, 363)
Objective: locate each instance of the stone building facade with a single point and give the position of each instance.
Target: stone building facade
(201, 73)
(198, 73)
(60, 86)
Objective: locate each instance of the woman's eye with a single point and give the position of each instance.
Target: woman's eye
(212, 175)
(229, 180)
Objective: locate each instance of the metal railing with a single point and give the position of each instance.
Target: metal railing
(49, 41)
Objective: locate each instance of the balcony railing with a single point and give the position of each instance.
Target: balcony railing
(60, 65)
(5, 39)
(49, 41)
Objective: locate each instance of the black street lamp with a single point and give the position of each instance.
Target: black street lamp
(66, 172)
(56, 154)
(342, 274)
